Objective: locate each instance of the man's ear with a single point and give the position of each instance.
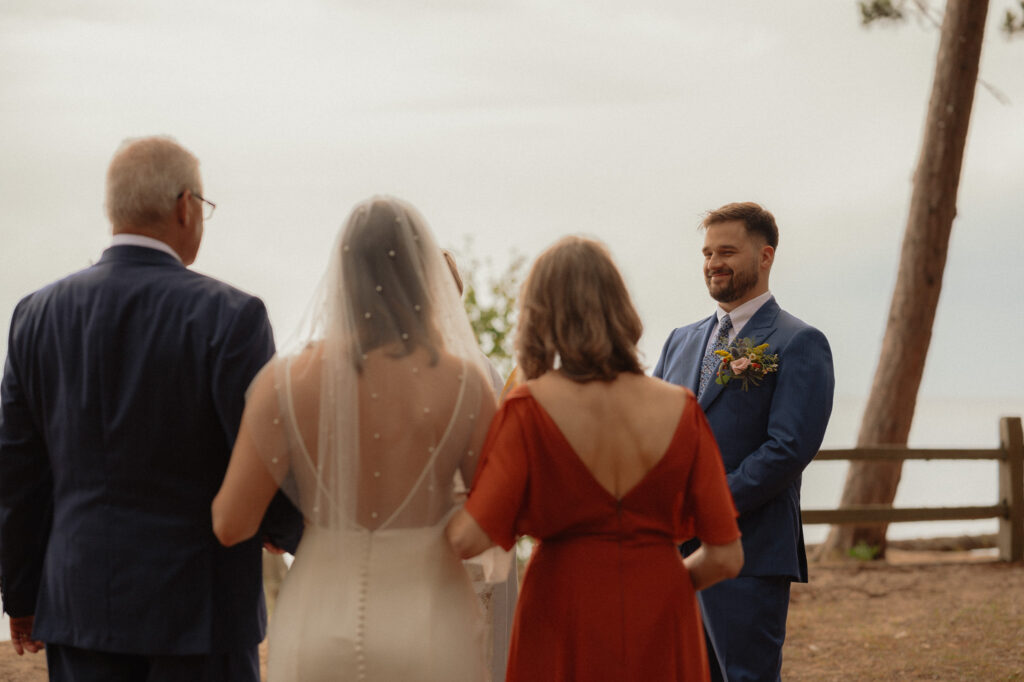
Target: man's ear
(181, 208)
(767, 256)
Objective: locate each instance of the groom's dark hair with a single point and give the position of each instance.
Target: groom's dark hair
(756, 219)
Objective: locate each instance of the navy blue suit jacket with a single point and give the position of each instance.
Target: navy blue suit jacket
(768, 434)
(121, 398)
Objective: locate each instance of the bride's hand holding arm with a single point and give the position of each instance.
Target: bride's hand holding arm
(244, 496)
(248, 486)
(465, 535)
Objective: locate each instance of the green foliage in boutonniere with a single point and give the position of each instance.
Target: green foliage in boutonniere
(745, 362)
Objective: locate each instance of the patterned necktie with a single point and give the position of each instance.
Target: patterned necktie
(711, 361)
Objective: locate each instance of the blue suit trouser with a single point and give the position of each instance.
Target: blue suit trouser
(745, 626)
(71, 664)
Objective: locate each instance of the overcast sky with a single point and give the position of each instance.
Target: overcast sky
(515, 122)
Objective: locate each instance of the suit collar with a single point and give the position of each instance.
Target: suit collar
(130, 253)
(134, 239)
(762, 324)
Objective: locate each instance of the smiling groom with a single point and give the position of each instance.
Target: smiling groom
(769, 420)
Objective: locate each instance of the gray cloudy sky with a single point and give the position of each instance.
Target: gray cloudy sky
(519, 121)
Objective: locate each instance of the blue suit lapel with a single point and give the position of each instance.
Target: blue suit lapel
(688, 374)
(758, 329)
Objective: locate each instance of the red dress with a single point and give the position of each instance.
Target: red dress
(606, 595)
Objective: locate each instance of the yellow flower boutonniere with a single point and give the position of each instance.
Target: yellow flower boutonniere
(745, 362)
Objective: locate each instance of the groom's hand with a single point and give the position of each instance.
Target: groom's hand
(21, 635)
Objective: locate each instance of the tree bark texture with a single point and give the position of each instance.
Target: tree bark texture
(890, 407)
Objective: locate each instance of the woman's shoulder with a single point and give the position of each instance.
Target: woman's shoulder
(665, 388)
(659, 399)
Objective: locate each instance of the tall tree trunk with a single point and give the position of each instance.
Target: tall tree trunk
(890, 407)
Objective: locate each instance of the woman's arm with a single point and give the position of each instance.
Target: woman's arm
(466, 536)
(244, 495)
(481, 423)
(713, 563)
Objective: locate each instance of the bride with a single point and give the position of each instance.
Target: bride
(367, 427)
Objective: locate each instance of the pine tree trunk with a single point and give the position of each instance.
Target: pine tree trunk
(890, 407)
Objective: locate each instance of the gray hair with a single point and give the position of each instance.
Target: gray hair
(145, 178)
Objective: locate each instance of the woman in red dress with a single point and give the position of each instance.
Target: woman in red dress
(609, 469)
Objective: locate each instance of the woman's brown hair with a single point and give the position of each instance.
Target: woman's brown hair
(574, 305)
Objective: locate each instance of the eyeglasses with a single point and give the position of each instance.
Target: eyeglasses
(208, 206)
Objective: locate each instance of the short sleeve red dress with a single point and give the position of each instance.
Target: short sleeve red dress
(606, 595)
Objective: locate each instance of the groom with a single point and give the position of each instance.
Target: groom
(767, 433)
(121, 398)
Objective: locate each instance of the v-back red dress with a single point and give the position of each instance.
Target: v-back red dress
(606, 595)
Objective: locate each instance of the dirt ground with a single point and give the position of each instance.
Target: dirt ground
(916, 616)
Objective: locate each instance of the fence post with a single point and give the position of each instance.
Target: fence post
(1011, 490)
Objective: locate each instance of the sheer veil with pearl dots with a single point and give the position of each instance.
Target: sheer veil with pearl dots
(379, 406)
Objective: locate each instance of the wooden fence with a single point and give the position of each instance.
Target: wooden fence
(1009, 510)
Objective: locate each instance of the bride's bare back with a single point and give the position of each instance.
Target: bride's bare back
(413, 410)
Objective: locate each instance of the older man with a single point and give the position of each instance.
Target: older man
(121, 397)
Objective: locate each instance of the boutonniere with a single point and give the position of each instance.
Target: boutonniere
(745, 362)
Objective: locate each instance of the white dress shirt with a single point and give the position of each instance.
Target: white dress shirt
(739, 315)
(126, 239)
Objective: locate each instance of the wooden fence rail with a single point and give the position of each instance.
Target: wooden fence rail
(1009, 510)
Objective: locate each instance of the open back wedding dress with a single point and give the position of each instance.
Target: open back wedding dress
(369, 425)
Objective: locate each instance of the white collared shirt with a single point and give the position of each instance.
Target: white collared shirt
(740, 315)
(127, 239)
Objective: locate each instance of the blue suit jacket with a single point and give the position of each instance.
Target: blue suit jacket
(121, 398)
(767, 435)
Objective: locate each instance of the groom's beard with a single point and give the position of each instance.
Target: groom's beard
(735, 287)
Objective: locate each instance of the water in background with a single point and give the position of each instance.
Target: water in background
(937, 423)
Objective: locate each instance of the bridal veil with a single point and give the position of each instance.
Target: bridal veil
(371, 421)
(384, 383)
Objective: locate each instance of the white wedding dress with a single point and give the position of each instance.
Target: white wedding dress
(369, 427)
(376, 605)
